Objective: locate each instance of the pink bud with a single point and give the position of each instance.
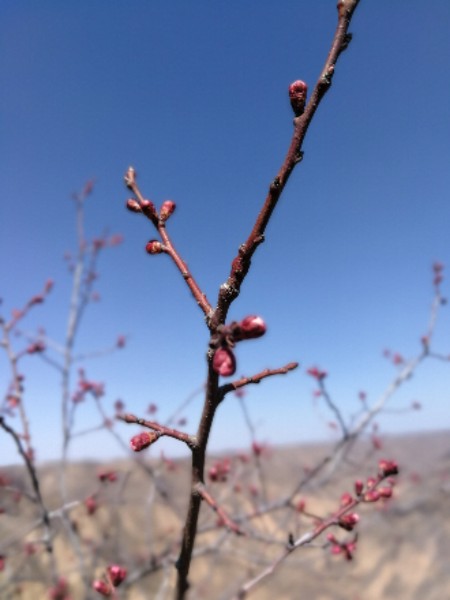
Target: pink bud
(385, 492)
(317, 373)
(116, 574)
(297, 95)
(224, 362)
(359, 486)
(143, 440)
(346, 499)
(387, 468)
(372, 496)
(133, 205)
(149, 210)
(167, 209)
(91, 505)
(101, 587)
(252, 327)
(348, 522)
(154, 247)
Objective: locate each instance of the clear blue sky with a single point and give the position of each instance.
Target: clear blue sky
(194, 95)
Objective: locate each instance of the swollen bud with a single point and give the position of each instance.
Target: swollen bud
(133, 205)
(143, 440)
(116, 574)
(167, 209)
(224, 362)
(252, 327)
(154, 247)
(297, 95)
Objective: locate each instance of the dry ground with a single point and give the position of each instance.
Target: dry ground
(403, 548)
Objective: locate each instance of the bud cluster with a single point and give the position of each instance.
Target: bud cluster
(224, 360)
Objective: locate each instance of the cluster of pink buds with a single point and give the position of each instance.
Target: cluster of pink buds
(224, 360)
(115, 574)
(36, 347)
(345, 548)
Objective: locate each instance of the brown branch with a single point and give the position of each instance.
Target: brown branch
(235, 385)
(148, 209)
(162, 430)
(225, 519)
(241, 264)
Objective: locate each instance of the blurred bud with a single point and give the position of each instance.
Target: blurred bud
(133, 205)
(154, 247)
(91, 505)
(348, 522)
(224, 362)
(317, 373)
(297, 95)
(102, 587)
(387, 468)
(116, 574)
(346, 499)
(385, 492)
(372, 496)
(359, 486)
(167, 209)
(143, 440)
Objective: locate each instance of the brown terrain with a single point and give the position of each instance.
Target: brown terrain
(403, 547)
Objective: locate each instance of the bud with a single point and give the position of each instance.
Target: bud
(91, 505)
(143, 440)
(154, 247)
(359, 486)
(372, 496)
(101, 587)
(316, 373)
(348, 522)
(116, 574)
(167, 209)
(133, 205)
(346, 499)
(130, 178)
(385, 492)
(297, 95)
(224, 362)
(149, 210)
(387, 468)
(252, 327)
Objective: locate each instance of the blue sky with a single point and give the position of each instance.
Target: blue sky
(194, 96)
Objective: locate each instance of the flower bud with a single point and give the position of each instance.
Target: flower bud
(252, 327)
(130, 177)
(116, 574)
(101, 587)
(154, 247)
(143, 440)
(133, 205)
(167, 209)
(359, 486)
(297, 95)
(149, 210)
(387, 468)
(348, 522)
(224, 362)
(372, 496)
(346, 499)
